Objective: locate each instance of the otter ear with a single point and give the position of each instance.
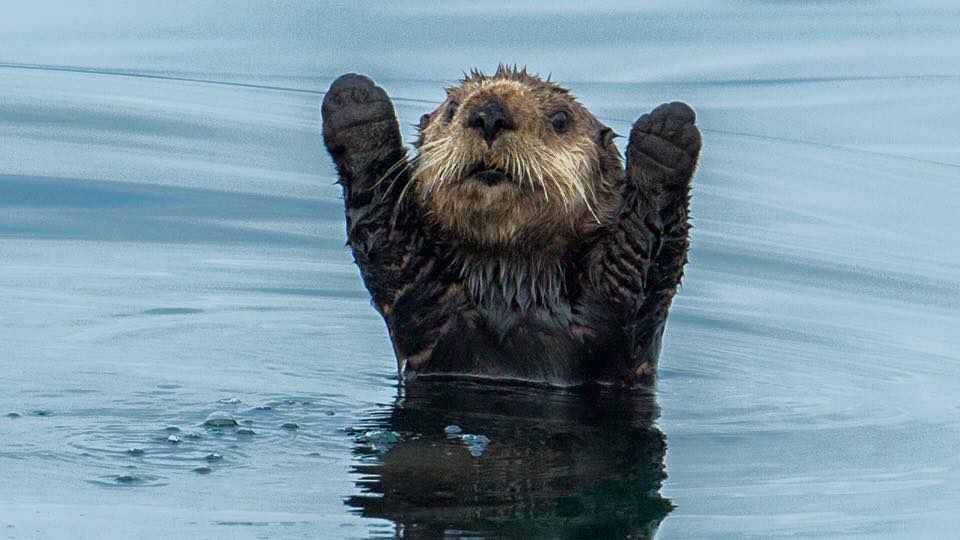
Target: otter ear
(604, 136)
(424, 120)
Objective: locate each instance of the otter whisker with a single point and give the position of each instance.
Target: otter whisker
(584, 187)
(524, 165)
(398, 205)
(533, 169)
(408, 159)
(561, 178)
(404, 164)
(571, 176)
(539, 176)
(390, 170)
(447, 169)
(398, 175)
(517, 163)
(595, 171)
(435, 162)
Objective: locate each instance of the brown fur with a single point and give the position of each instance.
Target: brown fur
(557, 192)
(516, 244)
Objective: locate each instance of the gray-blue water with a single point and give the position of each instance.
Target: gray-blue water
(171, 247)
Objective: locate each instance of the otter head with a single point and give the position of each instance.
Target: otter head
(513, 161)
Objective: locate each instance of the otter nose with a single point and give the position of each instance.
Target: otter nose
(491, 119)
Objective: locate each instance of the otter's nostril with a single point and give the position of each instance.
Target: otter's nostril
(492, 118)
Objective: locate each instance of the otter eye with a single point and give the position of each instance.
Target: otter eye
(452, 110)
(424, 120)
(560, 121)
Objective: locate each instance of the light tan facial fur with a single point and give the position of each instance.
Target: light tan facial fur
(554, 155)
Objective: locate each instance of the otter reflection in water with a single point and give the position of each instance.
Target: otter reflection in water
(558, 463)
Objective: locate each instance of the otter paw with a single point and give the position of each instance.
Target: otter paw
(354, 101)
(664, 143)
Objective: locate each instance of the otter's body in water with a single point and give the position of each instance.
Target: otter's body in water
(515, 244)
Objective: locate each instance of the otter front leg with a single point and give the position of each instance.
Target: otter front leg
(661, 158)
(362, 135)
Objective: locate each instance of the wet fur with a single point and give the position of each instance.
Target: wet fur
(562, 273)
(559, 191)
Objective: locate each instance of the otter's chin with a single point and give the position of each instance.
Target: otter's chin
(501, 215)
(488, 195)
(488, 208)
(488, 175)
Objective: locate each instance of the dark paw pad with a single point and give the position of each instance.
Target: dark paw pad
(665, 140)
(353, 100)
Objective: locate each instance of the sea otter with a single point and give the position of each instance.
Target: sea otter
(514, 244)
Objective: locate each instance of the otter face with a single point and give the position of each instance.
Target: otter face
(514, 161)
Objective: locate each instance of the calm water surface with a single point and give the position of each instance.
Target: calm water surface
(172, 245)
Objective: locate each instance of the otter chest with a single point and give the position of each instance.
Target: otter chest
(501, 342)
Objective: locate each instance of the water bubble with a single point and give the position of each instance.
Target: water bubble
(229, 401)
(219, 419)
(13, 415)
(213, 456)
(452, 429)
(173, 429)
(379, 439)
(329, 413)
(203, 470)
(476, 444)
(42, 412)
(173, 439)
(136, 451)
(248, 422)
(245, 431)
(127, 479)
(381, 435)
(290, 425)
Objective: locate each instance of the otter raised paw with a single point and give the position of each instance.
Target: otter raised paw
(515, 245)
(664, 144)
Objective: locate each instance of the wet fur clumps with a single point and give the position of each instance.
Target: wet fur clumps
(517, 283)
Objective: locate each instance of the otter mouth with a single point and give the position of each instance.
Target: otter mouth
(487, 174)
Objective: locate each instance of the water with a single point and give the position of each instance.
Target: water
(172, 248)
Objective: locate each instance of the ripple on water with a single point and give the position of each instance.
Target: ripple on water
(164, 452)
(172, 311)
(129, 479)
